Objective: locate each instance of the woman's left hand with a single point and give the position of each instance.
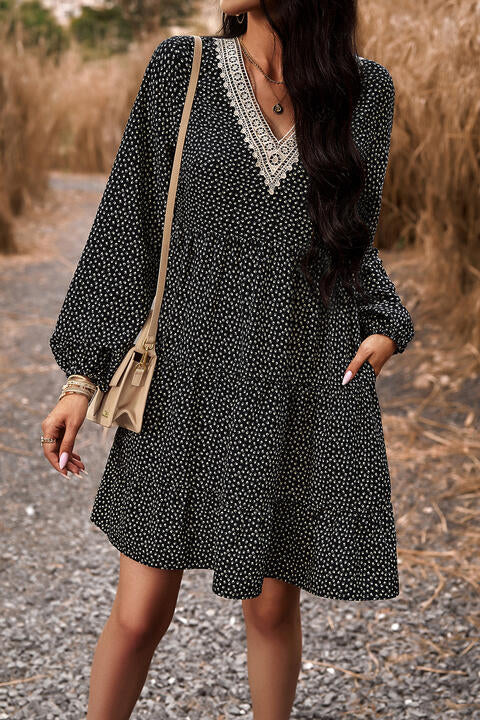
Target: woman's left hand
(376, 349)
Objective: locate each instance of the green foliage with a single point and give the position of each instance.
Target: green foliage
(147, 15)
(34, 25)
(104, 30)
(7, 10)
(99, 31)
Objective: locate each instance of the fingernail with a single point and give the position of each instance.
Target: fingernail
(63, 459)
(347, 377)
(83, 471)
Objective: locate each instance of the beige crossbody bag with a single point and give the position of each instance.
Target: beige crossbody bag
(124, 402)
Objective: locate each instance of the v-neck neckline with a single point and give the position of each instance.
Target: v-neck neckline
(274, 156)
(241, 60)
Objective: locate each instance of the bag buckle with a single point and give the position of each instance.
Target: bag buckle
(143, 360)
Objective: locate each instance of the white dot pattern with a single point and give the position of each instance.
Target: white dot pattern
(253, 460)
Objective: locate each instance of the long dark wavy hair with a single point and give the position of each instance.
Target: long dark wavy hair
(322, 76)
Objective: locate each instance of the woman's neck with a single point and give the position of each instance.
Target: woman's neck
(263, 45)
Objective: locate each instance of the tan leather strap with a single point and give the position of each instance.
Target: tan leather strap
(167, 227)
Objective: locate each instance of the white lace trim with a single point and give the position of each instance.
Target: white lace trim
(274, 157)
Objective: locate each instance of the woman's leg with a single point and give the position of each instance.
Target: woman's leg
(274, 648)
(141, 613)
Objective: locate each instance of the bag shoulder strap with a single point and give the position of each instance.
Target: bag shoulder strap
(167, 226)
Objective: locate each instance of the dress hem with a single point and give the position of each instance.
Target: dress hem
(116, 543)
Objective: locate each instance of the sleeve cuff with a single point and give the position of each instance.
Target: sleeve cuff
(77, 357)
(401, 333)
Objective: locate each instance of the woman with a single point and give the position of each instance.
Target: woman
(261, 455)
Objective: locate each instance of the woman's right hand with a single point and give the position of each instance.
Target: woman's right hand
(63, 424)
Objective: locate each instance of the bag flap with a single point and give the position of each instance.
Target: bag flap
(122, 367)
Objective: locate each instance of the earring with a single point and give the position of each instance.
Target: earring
(237, 15)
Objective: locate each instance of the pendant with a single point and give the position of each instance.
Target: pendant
(277, 108)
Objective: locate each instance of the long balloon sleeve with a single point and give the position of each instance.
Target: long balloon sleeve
(114, 283)
(383, 311)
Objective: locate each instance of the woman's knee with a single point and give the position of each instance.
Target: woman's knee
(137, 628)
(275, 608)
(144, 603)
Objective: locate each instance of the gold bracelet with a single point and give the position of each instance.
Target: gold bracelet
(72, 384)
(78, 384)
(89, 395)
(82, 379)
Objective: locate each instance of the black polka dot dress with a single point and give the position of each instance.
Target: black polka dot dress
(253, 460)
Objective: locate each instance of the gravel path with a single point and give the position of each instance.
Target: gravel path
(384, 659)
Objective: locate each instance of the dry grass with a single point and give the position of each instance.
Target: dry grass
(439, 532)
(431, 430)
(431, 197)
(69, 115)
(96, 102)
(29, 128)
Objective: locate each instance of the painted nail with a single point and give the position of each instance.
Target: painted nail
(83, 471)
(63, 459)
(348, 375)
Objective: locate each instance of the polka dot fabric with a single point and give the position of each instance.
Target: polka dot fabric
(253, 460)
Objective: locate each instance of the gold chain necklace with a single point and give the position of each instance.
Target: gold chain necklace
(278, 107)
